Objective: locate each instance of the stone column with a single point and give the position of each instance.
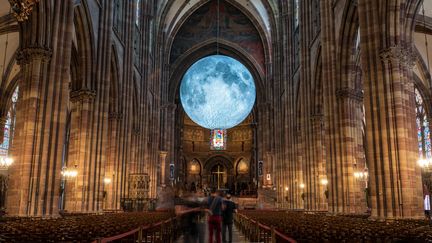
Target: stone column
(395, 181)
(319, 164)
(162, 163)
(41, 110)
(350, 122)
(268, 169)
(112, 162)
(76, 190)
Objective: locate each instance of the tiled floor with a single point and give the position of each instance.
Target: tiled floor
(237, 237)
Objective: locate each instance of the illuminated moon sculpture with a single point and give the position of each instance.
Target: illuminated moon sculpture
(217, 92)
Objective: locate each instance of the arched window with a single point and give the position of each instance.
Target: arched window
(138, 12)
(423, 133)
(357, 41)
(296, 9)
(296, 35)
(9, 127)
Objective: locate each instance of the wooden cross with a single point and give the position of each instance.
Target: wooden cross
(218, 173)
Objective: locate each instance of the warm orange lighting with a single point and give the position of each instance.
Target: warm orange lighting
(107, 180)
(324, 182)
(5, 162)
(69, 173)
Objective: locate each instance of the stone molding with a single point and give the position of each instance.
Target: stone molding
(83, 95)
(349, 93)
(28, 54)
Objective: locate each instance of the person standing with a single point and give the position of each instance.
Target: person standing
(227, 218)
(215, 216)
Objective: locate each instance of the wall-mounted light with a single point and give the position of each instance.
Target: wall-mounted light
(324, 182)
(107, 180)
(69, 173)
(5, 162)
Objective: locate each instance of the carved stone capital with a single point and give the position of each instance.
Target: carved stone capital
(348, 93)
(163, 154)
(169, 106)
(26, 55)
(82, 95)
(317, 117)
(3, 121)
(22, 8)
(409, 57)
(115, 116)
(391, 54)
(399, 54)
(136, 131)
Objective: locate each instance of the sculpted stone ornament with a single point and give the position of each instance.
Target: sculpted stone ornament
(27, 54)
(3, 121)
(83, 95)
(350, 94)
(22, 8)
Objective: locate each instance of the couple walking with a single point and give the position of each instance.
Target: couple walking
(220, 215)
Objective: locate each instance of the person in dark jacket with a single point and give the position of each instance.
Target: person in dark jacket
(227, 218)
(215, 204)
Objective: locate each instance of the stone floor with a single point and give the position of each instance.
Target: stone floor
(237, 237)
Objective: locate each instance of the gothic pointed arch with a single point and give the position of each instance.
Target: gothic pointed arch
(83, 48)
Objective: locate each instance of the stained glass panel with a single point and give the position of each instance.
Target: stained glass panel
(218, 139)
(8, 128)
(423, 132)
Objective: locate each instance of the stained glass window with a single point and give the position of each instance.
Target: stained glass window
(218, 138)
(9, 127)
(423, 133)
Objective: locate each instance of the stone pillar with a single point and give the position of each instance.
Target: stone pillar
(134, 166)
(34, 185)
(395, 181)
(112, 162)
(351, 190)
(268, 169)
(319, 164)
(162, 163)
(168, 138)
(78, 189)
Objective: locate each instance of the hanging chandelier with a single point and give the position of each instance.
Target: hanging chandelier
(22, 8)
